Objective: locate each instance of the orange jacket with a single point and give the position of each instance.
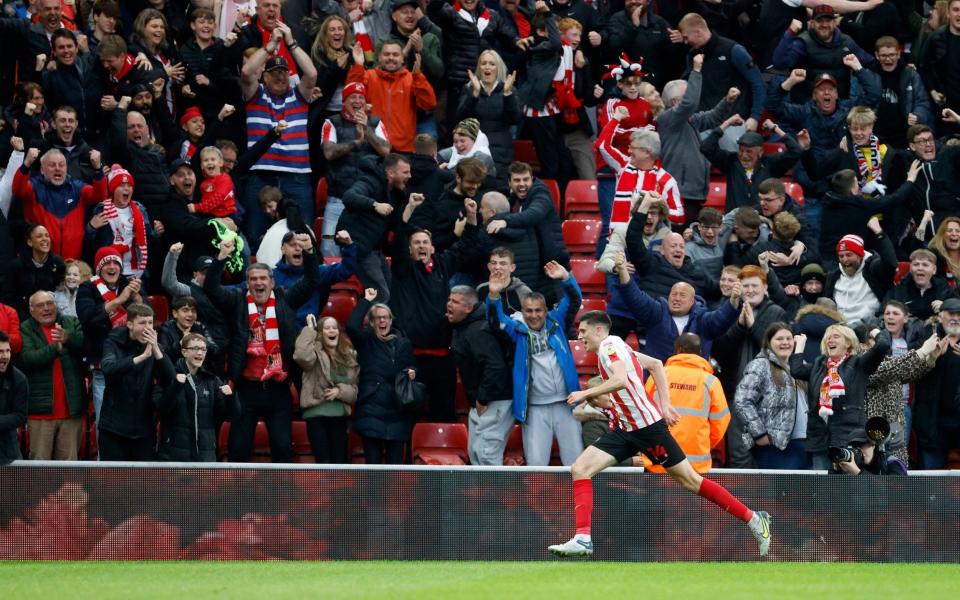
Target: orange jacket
(395, 98)
(704, 415)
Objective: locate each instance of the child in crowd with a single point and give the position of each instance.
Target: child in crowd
(216, 192)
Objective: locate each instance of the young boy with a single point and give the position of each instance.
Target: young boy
(216, 192)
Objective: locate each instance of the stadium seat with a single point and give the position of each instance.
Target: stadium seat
(903, 267)
(318, 228)
(589, 304)
(772, 148)
(513, 453)
(351, 285)
(355, 449)
(554, 188)
(632, 341)
(461, 403)
(524, 151)
(581, 237)
(223, 442)
(591, 281)
(302, 450)
(586, 362)
(161, 308)
(439, 444)
(717, 194)
(339, 305)
(261, 443)
(581, 199)
(320, 198)
(795, 191)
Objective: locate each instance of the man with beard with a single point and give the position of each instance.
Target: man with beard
(936, 405)
(863, 279)
(440, 215)
(56, 200)
(904, 100)
(394, 92)
(260, 359)
(65, 137)
(14, 392)
(410, 28)
(346, 139)
(52, 359)
(101, 307)
(73, 82)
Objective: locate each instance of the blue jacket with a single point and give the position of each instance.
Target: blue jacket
(285, 276)
(655, 316)
(519, 334)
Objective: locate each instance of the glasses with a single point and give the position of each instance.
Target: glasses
(888, 56)
(926, 141)
(199, 349)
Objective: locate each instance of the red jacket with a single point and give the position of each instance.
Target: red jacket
(59, 208)
(395, 98)
(10, 325)
(216, 197)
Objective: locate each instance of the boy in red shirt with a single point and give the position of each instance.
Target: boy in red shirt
(216, 192)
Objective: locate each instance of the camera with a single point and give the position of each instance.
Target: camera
(846, 454)
(878, 432)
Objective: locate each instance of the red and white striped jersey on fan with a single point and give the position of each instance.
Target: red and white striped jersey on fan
(632, 408)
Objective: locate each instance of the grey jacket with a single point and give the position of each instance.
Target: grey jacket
(710, 258)
(679, 127)
(764, 407)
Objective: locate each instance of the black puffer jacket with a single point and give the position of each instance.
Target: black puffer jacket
(191, 415)
(25, 278)
(846, 425)
(378, 413)
(367, 228)
(96, 322)
(233, 303)
(427, 178)
(497, 114)
(462, 42)
(537, 211)
(656, 276)
(147, 164)
(481, 360)
(77, 86)
(169, 336)
(651, 41)
(128, 401)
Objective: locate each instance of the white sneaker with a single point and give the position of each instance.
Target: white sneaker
(761, 531)
(578, 545)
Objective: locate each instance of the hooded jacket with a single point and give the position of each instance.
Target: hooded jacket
(396, 97)
(481, 360)
(765, 407)
(286, 275)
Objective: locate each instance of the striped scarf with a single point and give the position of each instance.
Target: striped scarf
(482, 21)
(138, 255)
(632, 182)
(118, 318)
(563, 82)
(362, 37)
(271, 336)
(831, 387)
(870, 170)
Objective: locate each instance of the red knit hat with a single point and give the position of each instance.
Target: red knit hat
(188, 115)
(851, 243)
(117, 176)
(105, 255)
(353, 88)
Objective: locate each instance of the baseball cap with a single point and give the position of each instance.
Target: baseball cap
(203, 263)
(179, 162)
(396, 4)
(950, 305)
(824, 11)
(824, 78)
(750, 138)
(287, 237)
(276, 63)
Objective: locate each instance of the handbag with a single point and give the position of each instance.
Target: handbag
(411, 394)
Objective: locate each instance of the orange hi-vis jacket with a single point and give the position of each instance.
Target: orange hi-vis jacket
(704, 415)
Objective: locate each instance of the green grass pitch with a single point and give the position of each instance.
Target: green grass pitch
(487, 580)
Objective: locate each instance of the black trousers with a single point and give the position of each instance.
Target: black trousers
(439, 374)
(114, 447)
(383, 452)
(328, 439)
(271, 402)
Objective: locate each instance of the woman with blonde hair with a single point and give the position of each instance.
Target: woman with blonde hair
(75, 273)
(490, 99)
(836, 388)
(330, 372)
(330, 53)
(945, 245)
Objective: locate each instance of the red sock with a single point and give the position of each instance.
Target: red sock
(583, 504)
(716, 493)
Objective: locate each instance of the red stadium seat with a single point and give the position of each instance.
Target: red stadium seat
(355, 449)
(589, 304)
(318, 228)
(439, 444)
(339, 305)
(772, 148)
(632, 341)
(903, 268)
(717, 194)
(524, 151)
(581, 199)
(351, 285)
(161, 308)
(554, 188)
(581, 237)
(586, 362)
(261, 443)
(320, 198)
(460, 401)
(513, 453)
(302, 450)
(223, 441)
(591, 281)
(795, 191)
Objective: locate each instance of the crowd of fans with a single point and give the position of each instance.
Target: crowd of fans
(165, 155)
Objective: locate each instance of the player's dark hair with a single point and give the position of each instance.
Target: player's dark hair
(596, 317)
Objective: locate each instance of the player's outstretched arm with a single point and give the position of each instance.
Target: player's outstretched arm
(616, 382)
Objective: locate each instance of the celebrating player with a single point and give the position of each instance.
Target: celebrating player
(636, 425)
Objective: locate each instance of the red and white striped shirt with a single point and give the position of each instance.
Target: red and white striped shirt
(632, 408)
(632, 182)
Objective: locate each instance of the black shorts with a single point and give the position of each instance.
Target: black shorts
(655, 441)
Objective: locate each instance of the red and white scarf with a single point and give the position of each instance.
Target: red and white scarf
(870, 170)
(632, 182)
(482, 21)
(831, 387)
(362, 37)
(118, 318)
(271, 337)
(138, 255)
(563, 82)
